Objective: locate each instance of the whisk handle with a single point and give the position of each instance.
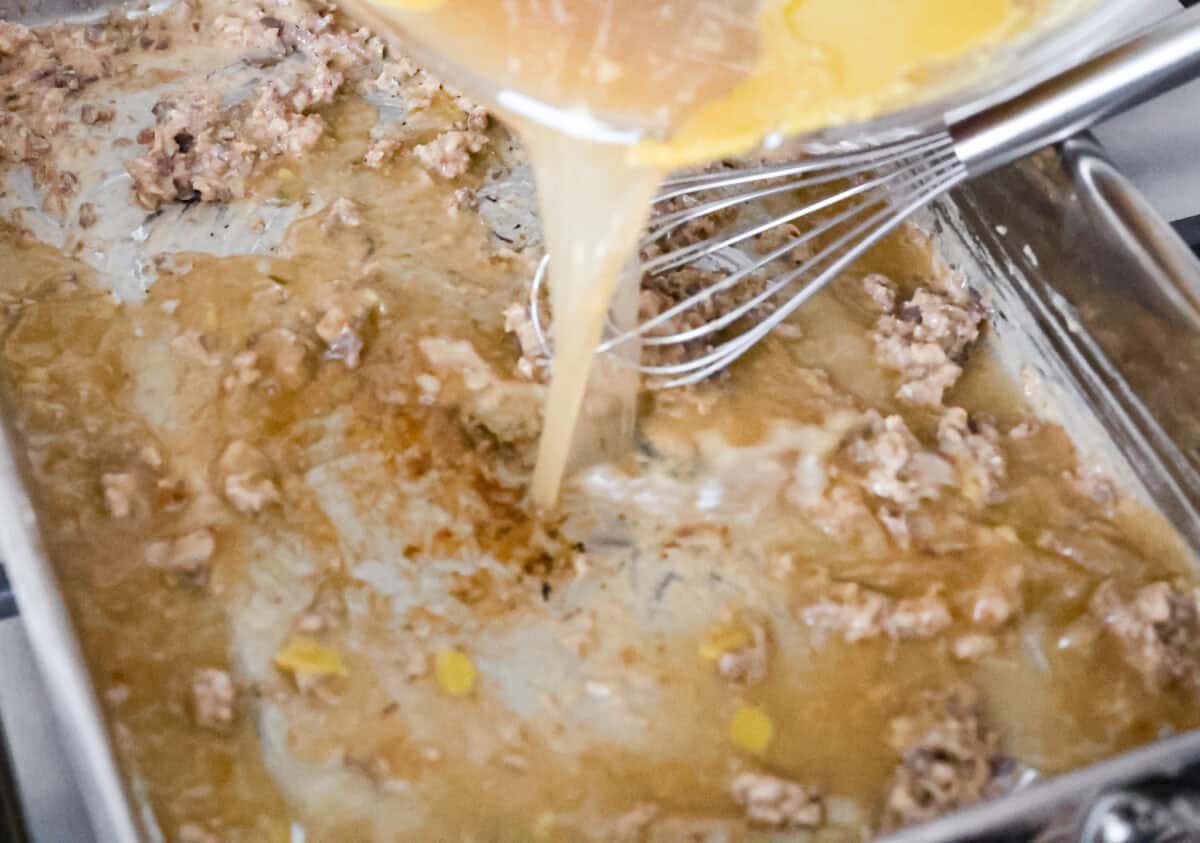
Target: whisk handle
(1165, 57)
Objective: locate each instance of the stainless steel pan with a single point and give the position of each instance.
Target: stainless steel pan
(1082, 259)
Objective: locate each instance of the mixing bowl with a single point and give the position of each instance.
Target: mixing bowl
(1068, 31)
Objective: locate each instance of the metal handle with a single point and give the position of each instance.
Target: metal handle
(1164, 58)
(1108, 195)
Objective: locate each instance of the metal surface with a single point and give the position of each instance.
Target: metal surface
(52, 637)
(50, 799)
(1151, 64)
(12, 818)
(1113, 316)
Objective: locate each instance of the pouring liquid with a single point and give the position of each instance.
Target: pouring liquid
(592, 214)
(690, 81)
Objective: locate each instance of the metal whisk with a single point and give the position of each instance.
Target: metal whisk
(874, 190)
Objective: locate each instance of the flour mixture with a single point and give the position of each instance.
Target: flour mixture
(265, 348)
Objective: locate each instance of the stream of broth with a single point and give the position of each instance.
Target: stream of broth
(592, 216)
(710, 78)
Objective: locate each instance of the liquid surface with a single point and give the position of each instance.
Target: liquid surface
(283, 475)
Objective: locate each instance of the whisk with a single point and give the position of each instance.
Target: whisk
(873, 190)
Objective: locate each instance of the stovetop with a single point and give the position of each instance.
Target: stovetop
(1154, 144)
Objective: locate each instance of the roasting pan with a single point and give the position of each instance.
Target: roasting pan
(1097, 306)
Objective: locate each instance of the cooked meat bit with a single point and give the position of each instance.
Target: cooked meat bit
(934, 317)
(974, 446)
(949, 758)
(246, 478)
(1093, 483)
(270, 31)
(342, 213)
(856, 614)
(245, 370)
(120, 492)
(691, 232)
(382, 150)
(778, 237)
(326, 611)
(998, 597)
(213, 698)
(662, 291)
(919, 617)
(199, 150)
(87, 215)
(420, 91)
(90, 114)
(478, 119)
(283, 358)
(169, 169)
(187, 555)
(342, 324)
(42, 73)
(449, 154)
(466, 199)
(193, 345)
(896, 523)
(974, 647)
(430, 388)
(509, 410)
(1159, 631)
(258, 37)
(631, 826)
(518, 323)
(926, 371)
(746, 664)
(925, 342)
(13, 36)
(851, 611)
(810, 478)
(392, 74)
(777, 803)
(342, 340)
(881, 290)
(899, 469)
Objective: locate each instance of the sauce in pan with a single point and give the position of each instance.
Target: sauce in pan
(852, 585)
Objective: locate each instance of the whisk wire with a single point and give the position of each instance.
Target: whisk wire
(893, 180)
(904, 180)
(871, 231)
(867, 158)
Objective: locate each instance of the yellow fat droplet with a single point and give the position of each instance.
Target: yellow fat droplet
(751, 729)
(309, 657)
(455, 672)
(723, 640)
